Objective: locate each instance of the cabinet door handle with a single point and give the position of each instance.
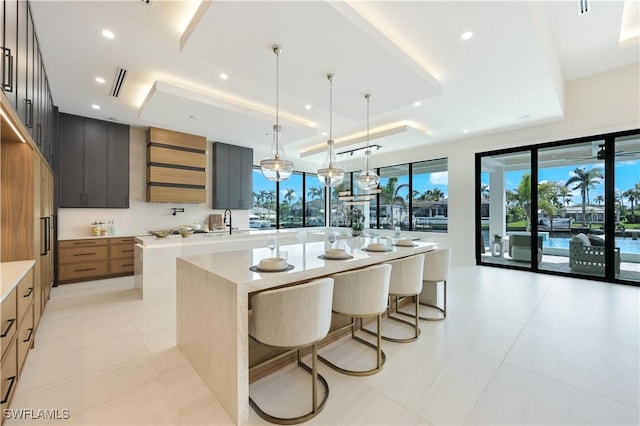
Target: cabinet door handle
(6, 397)
(28, 337)
(83, 243)
(127, 251)
(48, 234)
(85, 254)
(44, 236)
(29, 122)
(7, 67)
(28, 293)
(39, 134)
(6, 330)
(84, 270)
(128, 264)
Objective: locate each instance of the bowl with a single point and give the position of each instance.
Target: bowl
(335, 253)
(376, 247)
(406, 242)
(186, 233)
(196, 226)
(161, 234)
(272, 263)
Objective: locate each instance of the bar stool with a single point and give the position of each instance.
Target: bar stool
(361, 294)
(406, 281)
(293, 317)
(436, 269)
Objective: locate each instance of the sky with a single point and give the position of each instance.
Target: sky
(627, 174)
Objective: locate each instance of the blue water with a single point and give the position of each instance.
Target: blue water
(627, 245)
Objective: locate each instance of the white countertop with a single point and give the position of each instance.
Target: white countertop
(93, 237)
(149, 241)
(11, 273)
(234, 265)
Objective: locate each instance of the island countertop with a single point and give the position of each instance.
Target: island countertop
(11, 273)
(149, 241)
(304, 257)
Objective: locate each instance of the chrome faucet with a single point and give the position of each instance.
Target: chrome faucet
(225, 220)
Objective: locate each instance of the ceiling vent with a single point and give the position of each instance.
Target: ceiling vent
(147, 2)
(584, 6)
(118, 82)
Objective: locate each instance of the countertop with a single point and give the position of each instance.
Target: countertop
(11, 273)
(149, 241)
(93, 237)
(234, 265)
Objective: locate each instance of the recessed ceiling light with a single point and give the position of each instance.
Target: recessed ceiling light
(466, 35)
(224, 76)
(100, 80)
(417, 103)
(94, 106)
(108, 34)
(465, 131)
(193, 117)
(307, 106)
(324, 133)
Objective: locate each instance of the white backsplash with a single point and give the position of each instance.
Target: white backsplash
(141, 216)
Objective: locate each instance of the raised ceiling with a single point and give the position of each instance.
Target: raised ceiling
(510, 74)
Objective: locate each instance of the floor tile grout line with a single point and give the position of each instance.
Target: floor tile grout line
(503, 362)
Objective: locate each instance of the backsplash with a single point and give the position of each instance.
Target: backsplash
(142, 217)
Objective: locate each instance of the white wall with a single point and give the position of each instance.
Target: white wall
(141, 216)
(596, 104)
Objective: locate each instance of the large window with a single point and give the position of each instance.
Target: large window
(291, 207)
(339, 209)
(264, 202)
(429, 193)
(566, 207)
(314, 201)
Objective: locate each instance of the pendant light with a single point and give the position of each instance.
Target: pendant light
(368, 179)
(329, 175)
(276, 167)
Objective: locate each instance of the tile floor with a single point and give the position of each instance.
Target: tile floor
(516, 348)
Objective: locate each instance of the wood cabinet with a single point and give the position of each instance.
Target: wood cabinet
(88, 259)
(94, 162)
(176, 167)
(17, 334)
(232, 176)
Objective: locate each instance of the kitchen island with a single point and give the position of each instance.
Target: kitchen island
(213, 301)
(155, 258)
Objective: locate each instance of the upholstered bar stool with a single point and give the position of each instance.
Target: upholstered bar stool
(436, 269)
(361, 294)
(293, 317)
(406, 281)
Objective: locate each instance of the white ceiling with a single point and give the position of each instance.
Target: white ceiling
(510, 74)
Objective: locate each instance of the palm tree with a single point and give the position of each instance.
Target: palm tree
(314, 192)
(585, 180)
(548, 200)
(564, 192)
(389, 195)
(523, 196)
(263, 198)
(484, 191)
(633, 195)
(599, 200)
(289, 195)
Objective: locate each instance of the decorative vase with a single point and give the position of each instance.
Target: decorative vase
(356, 233)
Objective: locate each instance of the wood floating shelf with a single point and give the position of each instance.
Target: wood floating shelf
(176, 167)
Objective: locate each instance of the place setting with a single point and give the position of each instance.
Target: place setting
(404, 242)
(376, 247)
(273, 264)
(335, 254)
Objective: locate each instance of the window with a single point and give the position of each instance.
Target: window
(339, 210)
(429, 207)
(264, 202)
(314, 201)
(394, 197)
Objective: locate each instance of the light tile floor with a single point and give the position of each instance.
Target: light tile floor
(516, 348)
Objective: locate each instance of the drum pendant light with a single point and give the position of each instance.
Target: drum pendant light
(276, 167)
(330, 175)
(368, 179)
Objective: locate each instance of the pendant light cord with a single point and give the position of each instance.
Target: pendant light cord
(330, 77)
(277, 52)
(367, 152)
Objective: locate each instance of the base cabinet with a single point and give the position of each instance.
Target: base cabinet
(95, 258)
(17, 335)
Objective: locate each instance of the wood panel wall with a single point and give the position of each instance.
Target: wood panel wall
(176, 167)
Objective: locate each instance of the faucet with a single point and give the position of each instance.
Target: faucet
(225, 220)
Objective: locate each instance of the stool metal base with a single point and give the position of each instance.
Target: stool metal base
(381, 356)
(442, 310)
(315, 378)
(414, 325)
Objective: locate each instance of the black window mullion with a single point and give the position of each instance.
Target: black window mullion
(277, 205)
(534, 210)
(304, 204)
(410, 196)
(609, 208)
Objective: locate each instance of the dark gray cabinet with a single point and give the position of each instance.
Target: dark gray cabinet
(94, 163)
(232, 176)
(23, 76)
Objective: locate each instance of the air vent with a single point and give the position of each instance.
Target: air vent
(147, 2)
(118, 82)
(584, 6)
